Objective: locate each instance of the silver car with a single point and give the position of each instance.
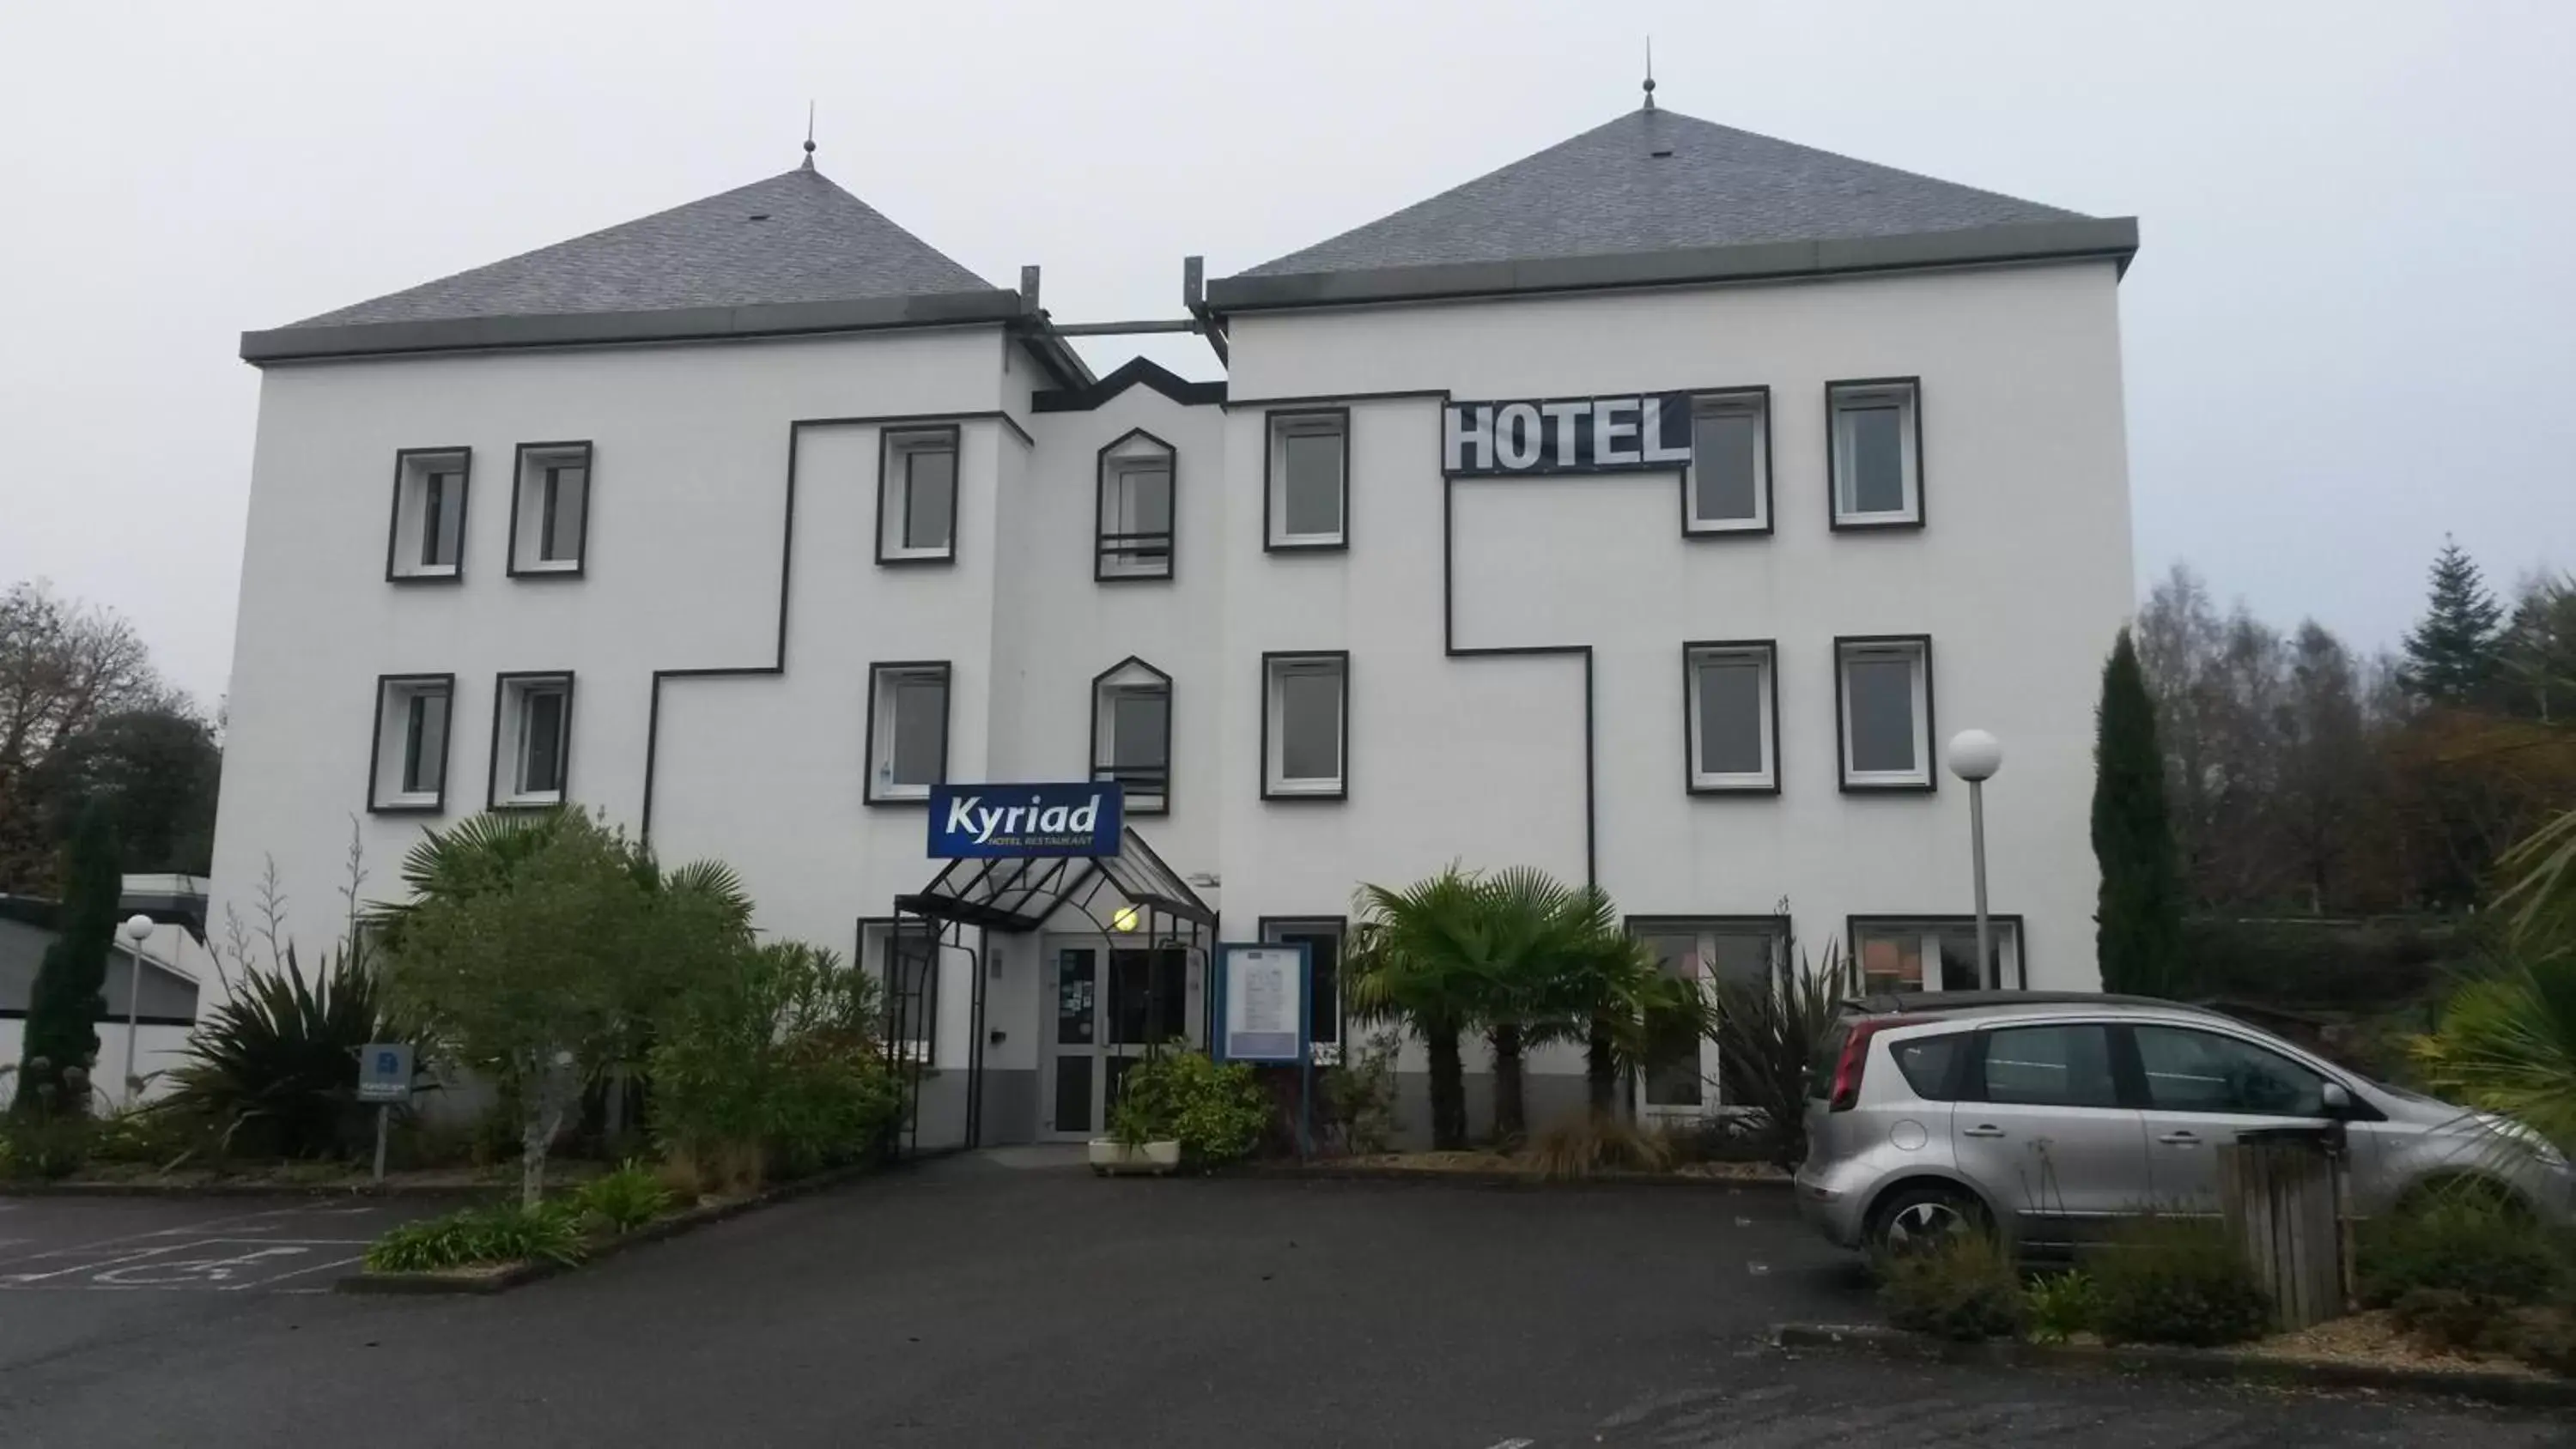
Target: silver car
(2052, 1116)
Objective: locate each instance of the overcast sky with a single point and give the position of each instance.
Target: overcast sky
(2349, 330)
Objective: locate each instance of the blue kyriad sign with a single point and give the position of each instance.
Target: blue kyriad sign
(1005, 822)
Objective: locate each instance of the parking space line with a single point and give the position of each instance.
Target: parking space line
(200, 1227)
(297, 1273)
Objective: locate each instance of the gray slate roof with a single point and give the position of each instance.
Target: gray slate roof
(812, 242)
(1606, 192)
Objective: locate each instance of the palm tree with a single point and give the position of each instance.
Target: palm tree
(2507, 1038)
(1416, 957)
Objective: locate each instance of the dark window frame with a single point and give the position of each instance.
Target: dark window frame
(1922, 463)
(1342, 786)
(561, 455)
(1691, 529)
(1770, 651)
(1102, 548)
(1929, 735)
(877, 671)
(493, 799)
(1272, 452)
(1999, 920)
(385, 685)
(888, 438)
(1307, 925)
(1104, 770)
(403, 459)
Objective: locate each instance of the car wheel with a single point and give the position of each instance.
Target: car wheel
(1918, 1219)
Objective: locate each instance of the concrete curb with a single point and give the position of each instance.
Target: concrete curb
(2238, 1365)
(253, 1189)
(686, 1220)
(1503, 1181)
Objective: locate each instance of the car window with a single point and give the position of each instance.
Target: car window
(1926, 1062)
(2050, 1066)
(2201, 1071)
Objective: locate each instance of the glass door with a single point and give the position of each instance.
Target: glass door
(1105, 1009)
(1073, 1078)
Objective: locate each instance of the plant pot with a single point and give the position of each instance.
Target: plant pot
(1110, 1157)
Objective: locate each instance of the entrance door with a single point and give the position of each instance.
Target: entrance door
(1105, 1007)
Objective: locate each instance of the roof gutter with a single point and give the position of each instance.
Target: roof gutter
(583, 329)
(2110, 238)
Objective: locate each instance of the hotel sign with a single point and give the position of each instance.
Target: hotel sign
(1005, 822)
(1624, 433)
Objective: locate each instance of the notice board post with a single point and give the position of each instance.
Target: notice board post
(1264, 1009)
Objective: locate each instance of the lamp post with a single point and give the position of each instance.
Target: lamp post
(1974, 757)
(138, 929)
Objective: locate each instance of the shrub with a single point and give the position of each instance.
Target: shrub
(2178, 1280)
(1359, 1095)
(160, 1134)
(2063, 1305)
(621, 1201)
(275, 1067)
(43, 1146)
(2447, 1320)
(2548, 1342)
(1770, 1039)
(545, 1233)
(1215, 1112)
(2457, 1243)
(1962, 1288)
(1590, 1143)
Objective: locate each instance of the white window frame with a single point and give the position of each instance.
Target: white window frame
(1764, 655)
(511, 740)
(528, 508)
(1704, 931)
(1130, 678)
(397, 721)
(1917, 651)
(1275, 781)
(1927, 932)
(885, 681)
(414, 468)
(1329, 423)
(1754, 403)
(899, 451)
(1138, 454)
(1843, 400)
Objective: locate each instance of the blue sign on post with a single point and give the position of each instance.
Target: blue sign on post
(1005, 822)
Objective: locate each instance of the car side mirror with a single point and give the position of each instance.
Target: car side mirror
(2337, 1098)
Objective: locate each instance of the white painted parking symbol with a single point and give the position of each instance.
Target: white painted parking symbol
(225, 1264)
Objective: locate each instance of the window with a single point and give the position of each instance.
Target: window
(1135, 524)
(1682, 1070)
(1934, 953)
(917, 496)
(904, 958)
(1322, 935)
(1874, 450)
(1131, 733)
(2202, 1071)
(1730, 713)
(1305, 725)
(428, 535)
(1728, 487)
(531, 739)
(407, 767)
(550, 509)
(907, 731)
(2049, 1066)
(1883, 689)
(1307, 481)
(1926, 1062)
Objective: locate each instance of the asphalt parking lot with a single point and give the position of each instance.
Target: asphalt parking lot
(974, 1303)
(209, 1245)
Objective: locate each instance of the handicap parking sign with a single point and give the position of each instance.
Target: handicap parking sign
(384, 1072)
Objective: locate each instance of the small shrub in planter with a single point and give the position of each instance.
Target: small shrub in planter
(621, 1201)
(2467, 1245)
(1963, 1288)
(545, 1233)
(1215, 1112)
(2178, 1280)
(2063, 1305)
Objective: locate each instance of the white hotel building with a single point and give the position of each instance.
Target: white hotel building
(744, 522)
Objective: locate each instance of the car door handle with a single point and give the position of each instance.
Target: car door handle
(1982, 1129)
(2180, 1139)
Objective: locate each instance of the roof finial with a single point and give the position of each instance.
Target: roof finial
(1650, 72)
(809, 136)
